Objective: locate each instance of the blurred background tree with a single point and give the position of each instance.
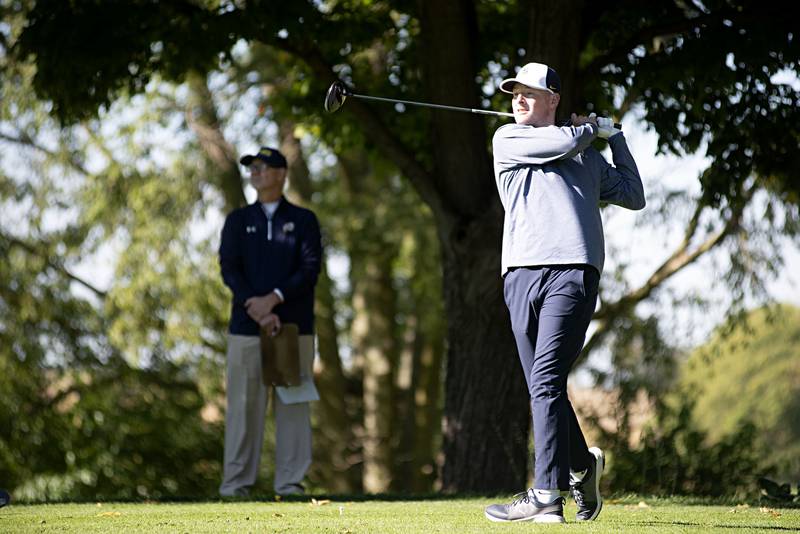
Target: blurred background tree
(749, 373)
(728, 416)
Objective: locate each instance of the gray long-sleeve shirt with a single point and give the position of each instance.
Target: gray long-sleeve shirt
(551, 182)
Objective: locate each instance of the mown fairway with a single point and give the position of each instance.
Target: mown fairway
(349, 517)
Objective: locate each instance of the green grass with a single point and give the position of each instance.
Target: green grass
(450, 516)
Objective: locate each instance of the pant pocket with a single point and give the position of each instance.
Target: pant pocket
(591, 281)
(508, 287)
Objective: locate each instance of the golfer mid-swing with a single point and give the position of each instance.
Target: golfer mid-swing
(551, 182)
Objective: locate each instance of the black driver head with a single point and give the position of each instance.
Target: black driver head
(337, 93)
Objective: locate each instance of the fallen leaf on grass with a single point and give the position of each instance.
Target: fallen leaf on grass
(276, 514)
(321, 502)
(770, 511)
(109, 514)
(739, 508)
(643, 504)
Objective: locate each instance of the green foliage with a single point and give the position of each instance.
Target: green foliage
(105, 437)
(729, 418)
(673, 457)
(104, 389)
(130, 42)
(713, 82)
(704, 73)
(749, 373)
(75, 420)
(670, 453)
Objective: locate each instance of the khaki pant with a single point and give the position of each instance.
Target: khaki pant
(244, 420)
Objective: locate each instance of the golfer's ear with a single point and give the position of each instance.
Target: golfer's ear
(556, 99)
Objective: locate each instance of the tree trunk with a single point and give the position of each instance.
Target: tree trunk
(202, 118)
(419, 410)
(374, 340)
(486, 413)
(429, 351)
(555, 38)
(334, 441)
(486, 421)
(428, 357)
(373, 326)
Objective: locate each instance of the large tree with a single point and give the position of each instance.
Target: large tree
(702, 72)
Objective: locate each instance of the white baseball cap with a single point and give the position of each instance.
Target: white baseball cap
(535, 75)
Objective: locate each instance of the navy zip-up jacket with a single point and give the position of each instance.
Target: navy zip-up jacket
(257, 255)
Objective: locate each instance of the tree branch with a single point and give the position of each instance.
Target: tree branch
(648, 34)
(393, 149)
(682, 257)
(55, 265)
(201, 117)
(216, 347)
(26, 141)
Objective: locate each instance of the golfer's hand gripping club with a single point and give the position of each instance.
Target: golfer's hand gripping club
(606, 127)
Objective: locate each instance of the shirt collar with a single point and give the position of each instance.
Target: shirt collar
(270, 207)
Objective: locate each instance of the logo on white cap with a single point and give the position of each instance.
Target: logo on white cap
(535, 75)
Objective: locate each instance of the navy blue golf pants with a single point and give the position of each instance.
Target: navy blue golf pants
(551, 307)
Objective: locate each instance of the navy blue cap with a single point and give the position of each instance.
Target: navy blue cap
(270, 156)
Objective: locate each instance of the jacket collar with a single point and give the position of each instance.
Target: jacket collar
(281, 202)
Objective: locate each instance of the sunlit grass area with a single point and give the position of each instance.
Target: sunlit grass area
(629, 514)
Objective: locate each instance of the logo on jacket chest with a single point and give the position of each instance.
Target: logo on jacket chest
(286, 229)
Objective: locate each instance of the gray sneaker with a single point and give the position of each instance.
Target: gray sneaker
(525, 507)
(586, 491)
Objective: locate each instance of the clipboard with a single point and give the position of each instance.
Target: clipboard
(280, 357)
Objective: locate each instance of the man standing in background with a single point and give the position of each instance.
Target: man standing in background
(269, 256)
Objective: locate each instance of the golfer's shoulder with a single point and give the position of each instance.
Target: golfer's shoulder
(510, 129)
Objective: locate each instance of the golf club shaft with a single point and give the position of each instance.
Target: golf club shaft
(450, 108)
(438, 106)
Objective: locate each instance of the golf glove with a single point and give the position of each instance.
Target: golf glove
(606, 128)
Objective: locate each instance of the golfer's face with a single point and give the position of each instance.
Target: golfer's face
(533, 106)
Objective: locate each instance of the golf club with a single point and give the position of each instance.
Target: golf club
(338, 92)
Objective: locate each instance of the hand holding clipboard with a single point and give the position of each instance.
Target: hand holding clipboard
(280, 356)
